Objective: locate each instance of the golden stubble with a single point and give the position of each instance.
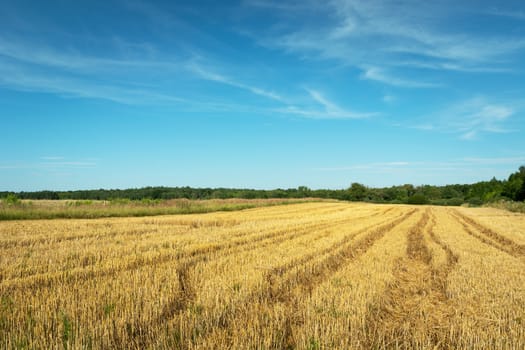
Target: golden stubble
(305, 276)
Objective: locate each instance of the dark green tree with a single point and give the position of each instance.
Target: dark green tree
(417, 198)
(357, 192)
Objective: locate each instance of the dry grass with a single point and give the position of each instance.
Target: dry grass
(87, 209)
(512, 206)
(305, 276)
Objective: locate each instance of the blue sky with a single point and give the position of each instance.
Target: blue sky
(259, 93)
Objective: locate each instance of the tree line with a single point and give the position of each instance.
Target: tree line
(478, 193)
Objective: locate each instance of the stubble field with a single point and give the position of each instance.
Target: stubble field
(305, 276)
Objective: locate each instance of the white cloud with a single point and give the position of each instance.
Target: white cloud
(330, 110)
(479, 114)
(70, 60)
(383, 166)
(389, 98)
(328, 105)
(426, 126)
(519, 15)
(410, 34)
(293, 6)
(412, 166)
(469, 135)
(471, 118)
(209, 75)
(493, 160)
(28, 66)
(449, 66)
(24, 79)
(381, 75)
(51, 163)
(69, 165)
(51, 158)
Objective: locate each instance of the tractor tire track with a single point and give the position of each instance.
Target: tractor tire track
(489, 236)
(305, 280)
(45, 280)
(288, 289)
(415, 310)
(441, 275)
(183, 297)
(36, 243)
(476, 233)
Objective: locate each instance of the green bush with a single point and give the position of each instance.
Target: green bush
(417, 198)
(475, 202)
(455, 201)
(120, 201)
(450, 201)
(11, 200)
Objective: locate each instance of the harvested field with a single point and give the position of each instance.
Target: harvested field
(299, 276)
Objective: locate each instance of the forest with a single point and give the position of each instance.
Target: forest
(513, 189)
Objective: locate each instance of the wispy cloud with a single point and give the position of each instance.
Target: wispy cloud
(455, 67)
(389, 98)
(212, 76)
(53, 158)
(74, 73)
(14, 166)
(494, 160)
(329, 109)
(410, 166)
(69, 165)
(519, 15)
(27, 79)
(366, 33)
(29, 66)
(281, 5)
(469, 135)
(51, 163)
(328, 105)
(381, 75)
(368, 166)
(471, 118)
(112, 63)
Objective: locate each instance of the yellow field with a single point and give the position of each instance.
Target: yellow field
(305, 276)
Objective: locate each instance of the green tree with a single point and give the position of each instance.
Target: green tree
(513, 187)
(303, 191)
(418, 198)
(357, 192)
(11, 199)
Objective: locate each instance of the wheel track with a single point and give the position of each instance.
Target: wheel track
(185, 280)
(34, 242)
(45, 280)
(489, 236)
(280, 271)
(307, 279)
(294, 285)
(441, 275)
(185, 295)
(13, 243)
(415, 305)
(300, 212)
(274, 231)
(452, 258)
(245, 238)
